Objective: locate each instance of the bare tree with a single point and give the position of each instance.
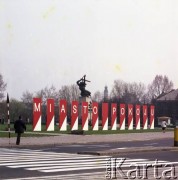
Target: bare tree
(69, 93)
(117, 89)
(17, 108)
(97, 96)
(74, 91)
(64, 93)
(49, 93)
(40, 94)
(138, 90)
(27, 97)
(46, 93)
(128, 92)
(2, 87)
(129, 95)
(159, 86)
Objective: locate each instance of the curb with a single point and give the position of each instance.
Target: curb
(70, 142)
(127, 151)
(30, 145)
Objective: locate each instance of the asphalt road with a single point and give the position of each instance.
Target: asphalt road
(62, 162)
(74, 148)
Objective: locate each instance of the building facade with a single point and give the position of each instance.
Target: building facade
(167, 105)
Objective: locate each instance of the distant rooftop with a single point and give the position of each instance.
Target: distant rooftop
(171, 96)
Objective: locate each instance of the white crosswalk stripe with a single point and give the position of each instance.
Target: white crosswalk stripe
(81, 176)
(51, 162)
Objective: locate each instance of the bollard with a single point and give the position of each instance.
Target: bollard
(176, 136)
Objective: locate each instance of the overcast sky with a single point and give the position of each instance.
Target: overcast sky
(45, 42)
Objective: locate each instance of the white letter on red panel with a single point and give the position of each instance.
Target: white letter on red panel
(122, 116)
(50, 115)
(95, 126)
(113, 116)
(63, 115)
(130, 117)
(137, 117)
(74, 119)
(152, 117)
(145, 117)
(37, 114)
(85, 116)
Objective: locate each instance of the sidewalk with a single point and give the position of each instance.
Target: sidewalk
(84, 139)
(73, 139)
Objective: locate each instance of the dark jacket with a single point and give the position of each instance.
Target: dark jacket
(19, 126)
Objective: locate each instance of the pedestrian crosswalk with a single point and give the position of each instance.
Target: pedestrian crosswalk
(69, 165)
(49, 162)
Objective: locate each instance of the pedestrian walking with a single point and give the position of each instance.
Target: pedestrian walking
(164, 125)
(19, 127)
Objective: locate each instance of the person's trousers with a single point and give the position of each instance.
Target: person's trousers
(18, 138)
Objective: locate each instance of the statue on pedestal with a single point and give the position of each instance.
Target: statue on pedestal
(82, 84)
